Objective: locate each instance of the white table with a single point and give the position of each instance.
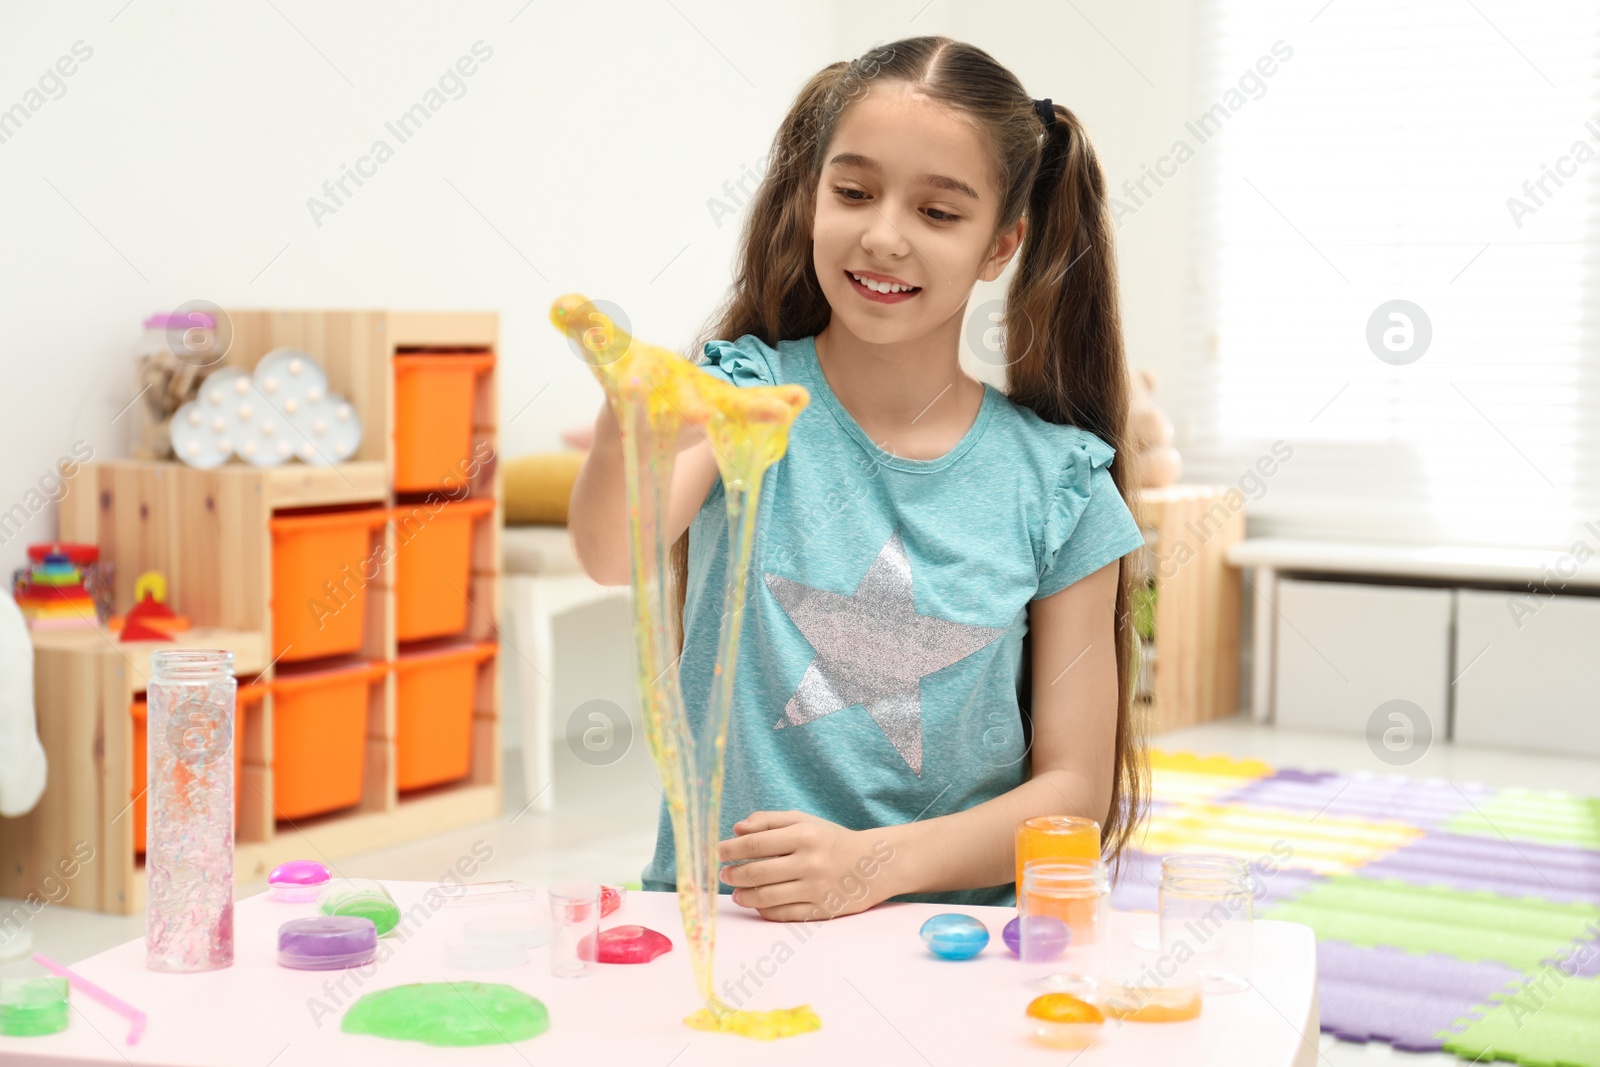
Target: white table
(882, 999)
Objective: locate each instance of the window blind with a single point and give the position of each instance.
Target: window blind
(1445, 154)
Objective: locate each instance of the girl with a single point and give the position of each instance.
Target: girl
(937, 641)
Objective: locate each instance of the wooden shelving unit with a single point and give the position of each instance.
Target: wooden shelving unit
(1194, 672)
(208, 532)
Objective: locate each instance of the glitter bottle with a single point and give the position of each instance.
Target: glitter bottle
(189, 851)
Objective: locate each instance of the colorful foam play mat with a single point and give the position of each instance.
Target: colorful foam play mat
(1449, 915)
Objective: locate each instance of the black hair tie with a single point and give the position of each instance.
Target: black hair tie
(1046, 111)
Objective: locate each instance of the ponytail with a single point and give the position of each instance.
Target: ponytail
(1068, 366)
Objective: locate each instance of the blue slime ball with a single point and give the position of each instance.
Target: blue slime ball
(953, 936)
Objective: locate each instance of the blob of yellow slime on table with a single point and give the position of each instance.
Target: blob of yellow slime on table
(654, 394)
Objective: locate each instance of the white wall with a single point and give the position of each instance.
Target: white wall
(178, 161)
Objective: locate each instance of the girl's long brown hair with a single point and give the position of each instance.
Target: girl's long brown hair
(1062, 325)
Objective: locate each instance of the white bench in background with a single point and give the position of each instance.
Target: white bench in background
(1341, 628)
(542, 581)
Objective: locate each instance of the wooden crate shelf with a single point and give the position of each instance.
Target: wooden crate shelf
(297, 486)
(1188, 531)
(208, 532)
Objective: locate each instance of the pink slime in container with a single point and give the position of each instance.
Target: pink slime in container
(298, 881)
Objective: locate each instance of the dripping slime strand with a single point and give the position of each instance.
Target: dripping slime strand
(654, 394)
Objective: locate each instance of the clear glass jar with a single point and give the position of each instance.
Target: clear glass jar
(575, 929)
(189, 842)
(1064, 924)
(1204, 865)
(176, 351)
(1206, 914)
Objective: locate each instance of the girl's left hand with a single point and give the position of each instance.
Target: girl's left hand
(802, 867)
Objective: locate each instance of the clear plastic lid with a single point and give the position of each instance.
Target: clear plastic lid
(294, 894)
(482, 894)
(469, 953)
(528, 933)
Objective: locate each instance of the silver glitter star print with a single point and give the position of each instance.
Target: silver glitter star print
(873, 649)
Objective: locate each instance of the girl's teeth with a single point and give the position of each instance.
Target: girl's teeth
(882, 287)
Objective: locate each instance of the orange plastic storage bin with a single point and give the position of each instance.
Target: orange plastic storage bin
(248, 696)
(433, 566)
(434, 693)
(433, 417)
(321, 565)
(319, 738)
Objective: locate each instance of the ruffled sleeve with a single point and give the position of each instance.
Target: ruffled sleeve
(743, 362)
(1089, 524)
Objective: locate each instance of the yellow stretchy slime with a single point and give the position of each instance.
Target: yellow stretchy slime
(655, 394)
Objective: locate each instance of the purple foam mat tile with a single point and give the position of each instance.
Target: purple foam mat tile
(1291, 775)
(1581, 959)
(1134, 888)
(1137, 887)
(1557, 873)
(1403, 998)
(1388, 797)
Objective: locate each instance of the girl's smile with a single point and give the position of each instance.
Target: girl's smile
(889, 292)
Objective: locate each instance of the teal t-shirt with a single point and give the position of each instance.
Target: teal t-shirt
(880, 660)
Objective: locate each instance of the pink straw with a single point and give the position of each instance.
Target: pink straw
(134, 1016)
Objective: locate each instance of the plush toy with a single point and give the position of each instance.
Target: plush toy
(1155, 462)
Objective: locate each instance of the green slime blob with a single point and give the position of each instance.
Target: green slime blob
(449, 1013)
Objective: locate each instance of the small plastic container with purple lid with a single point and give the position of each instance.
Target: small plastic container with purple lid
(298, 881)
(327, 942)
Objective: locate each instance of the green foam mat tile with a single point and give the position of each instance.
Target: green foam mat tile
(1550, 1021)
(1519, 932)
(1533, 815)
